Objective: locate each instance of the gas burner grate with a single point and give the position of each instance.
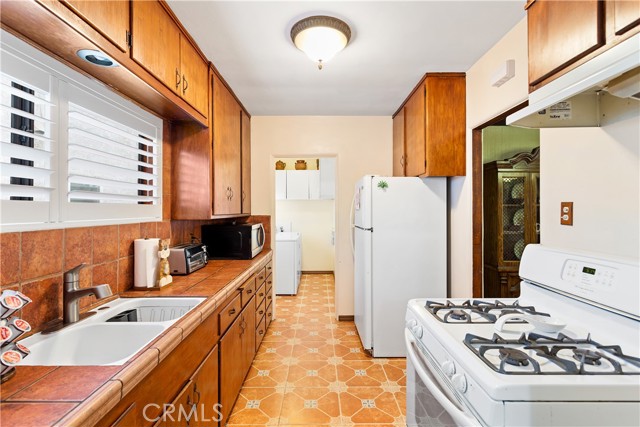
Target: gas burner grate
(484, 311)
(581, 355)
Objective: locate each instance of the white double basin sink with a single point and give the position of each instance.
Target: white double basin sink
(94, 341)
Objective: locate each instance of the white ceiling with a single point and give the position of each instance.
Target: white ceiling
(393, 44)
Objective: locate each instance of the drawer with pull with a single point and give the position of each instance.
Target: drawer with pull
(229, 313)
(261, 330)
(261, 293)
(269, 316)
(261, 275)
(269, 289)
(269, 268)
(261, 309)
(247, 290)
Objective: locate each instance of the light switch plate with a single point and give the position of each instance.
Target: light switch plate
(566, 213)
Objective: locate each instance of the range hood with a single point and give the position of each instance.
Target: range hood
(573, 99)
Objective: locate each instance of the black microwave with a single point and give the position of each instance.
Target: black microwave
(241, 241)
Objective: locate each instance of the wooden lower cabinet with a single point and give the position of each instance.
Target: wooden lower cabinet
(197, 402)
(167, 380)
(237, 350)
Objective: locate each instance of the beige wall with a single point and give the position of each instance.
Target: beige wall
(314, 220)
(483, 103)
(598, 169)
(362, 145)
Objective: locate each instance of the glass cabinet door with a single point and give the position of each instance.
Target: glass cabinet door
(535, 177)
(514, 215)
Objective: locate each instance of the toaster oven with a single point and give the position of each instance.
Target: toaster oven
(187, 258)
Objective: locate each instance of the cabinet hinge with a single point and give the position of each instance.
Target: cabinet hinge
(129, 39)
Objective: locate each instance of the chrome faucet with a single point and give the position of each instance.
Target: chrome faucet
(72, 294)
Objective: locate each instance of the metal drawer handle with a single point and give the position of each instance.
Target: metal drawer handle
(185, 84)
(250, 291)
(261, 332)
(232, 312)
(261, 312)
(261, 294)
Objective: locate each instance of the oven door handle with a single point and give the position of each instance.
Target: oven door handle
(421, 366)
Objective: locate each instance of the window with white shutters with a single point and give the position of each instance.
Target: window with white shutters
(72, 151)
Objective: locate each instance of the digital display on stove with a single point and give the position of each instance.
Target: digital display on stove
(589, 270)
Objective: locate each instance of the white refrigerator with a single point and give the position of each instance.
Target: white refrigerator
(400, 253)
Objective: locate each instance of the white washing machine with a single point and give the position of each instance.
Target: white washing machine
(288, 263)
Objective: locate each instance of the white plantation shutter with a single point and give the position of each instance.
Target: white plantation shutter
(71, 150)
(109, 162)
(28, 136)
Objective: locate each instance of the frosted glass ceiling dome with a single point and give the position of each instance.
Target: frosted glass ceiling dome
(320, 37)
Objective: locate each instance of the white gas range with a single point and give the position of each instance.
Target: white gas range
(566, 353)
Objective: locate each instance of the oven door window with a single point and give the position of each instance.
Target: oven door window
(422, 408)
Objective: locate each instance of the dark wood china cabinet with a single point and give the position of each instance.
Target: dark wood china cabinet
(511, 220)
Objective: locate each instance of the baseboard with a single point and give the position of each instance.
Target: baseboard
(317, 272)
(345, 318)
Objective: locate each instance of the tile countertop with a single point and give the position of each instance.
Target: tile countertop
(82, 395)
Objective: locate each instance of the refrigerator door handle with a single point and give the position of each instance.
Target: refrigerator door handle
(353, 225)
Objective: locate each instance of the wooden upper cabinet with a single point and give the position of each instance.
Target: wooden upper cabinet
(434, 127)
(626, 15)
(398, 144)
(159, 46)
(245, 121)
(414, 116)
(562, 32)
(156, 42)
(194, 75)
(110, 18)
(227, 176)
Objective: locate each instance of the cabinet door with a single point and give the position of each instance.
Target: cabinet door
(245, 136)
(156, 42)
(415, 155)
(227, 176)
(231, 366)
(445, 125)
(182, 406)
(249, 336)
(297, 185)
(281, 185)
(398, 144)
(195, 77)
(534, 228)
(560, 33)
(110, 18)
(314, 185)
(513, 188)
(328, 178)
(205, 390)
(626, 15)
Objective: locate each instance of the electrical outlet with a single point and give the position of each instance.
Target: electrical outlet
(566, 213)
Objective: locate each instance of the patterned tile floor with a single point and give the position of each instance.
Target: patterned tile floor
(312, 370)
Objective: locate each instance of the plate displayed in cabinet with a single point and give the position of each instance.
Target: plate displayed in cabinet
(518, 217)
(517, 191)
(518, 248)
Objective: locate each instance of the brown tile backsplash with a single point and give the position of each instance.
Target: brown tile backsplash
(34, 262)
(42, 252)
(78, 247)
(10, 262)
(105, 243)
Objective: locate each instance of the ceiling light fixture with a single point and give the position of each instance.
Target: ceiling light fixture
(320, 37)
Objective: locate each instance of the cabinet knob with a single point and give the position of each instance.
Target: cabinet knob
(261, 312)
(249, 291)
(261, 332)
(232, 312)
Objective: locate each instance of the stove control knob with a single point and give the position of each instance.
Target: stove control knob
(417, 331)
(459, 382)
(411, 324)
(449, 368)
